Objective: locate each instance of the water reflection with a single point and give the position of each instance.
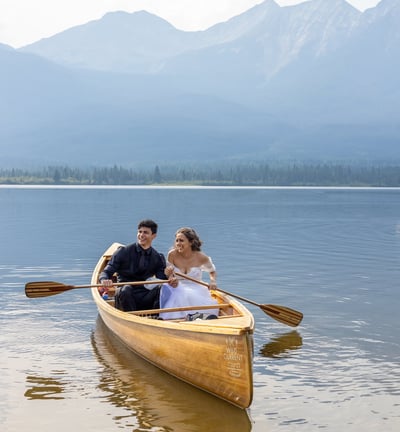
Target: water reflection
(44, 388)
(155, 399)
(281, 345)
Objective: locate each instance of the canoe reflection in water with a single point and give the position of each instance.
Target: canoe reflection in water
(281, 345)
(44, 388)
(154, 398)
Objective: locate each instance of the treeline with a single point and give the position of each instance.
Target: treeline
(245, 174)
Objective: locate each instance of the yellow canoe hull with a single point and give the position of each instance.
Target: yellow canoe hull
(213, 355)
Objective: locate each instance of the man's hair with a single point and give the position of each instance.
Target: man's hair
(148, 223)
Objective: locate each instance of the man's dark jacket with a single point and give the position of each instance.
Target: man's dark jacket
(132, 263)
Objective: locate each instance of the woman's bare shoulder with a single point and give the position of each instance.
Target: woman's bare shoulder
(171, 255)
(203, 258)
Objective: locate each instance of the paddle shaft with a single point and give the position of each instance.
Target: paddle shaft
(219, 289)
(155, 281)
(282, 314)
(48, 288)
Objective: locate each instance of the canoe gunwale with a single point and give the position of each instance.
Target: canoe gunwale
(233, 324)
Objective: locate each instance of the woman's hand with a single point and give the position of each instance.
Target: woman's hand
(169, 271)
(172, 279)
(212, 285)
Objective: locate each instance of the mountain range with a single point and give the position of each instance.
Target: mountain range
(314, 81)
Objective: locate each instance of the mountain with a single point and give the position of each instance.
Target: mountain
(318, 80)
(142, 43)
(119, 42)
(282, 52)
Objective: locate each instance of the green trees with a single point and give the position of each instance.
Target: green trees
(243, 174)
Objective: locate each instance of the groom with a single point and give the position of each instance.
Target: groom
(137, 262)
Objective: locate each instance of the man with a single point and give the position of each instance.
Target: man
(135, 262)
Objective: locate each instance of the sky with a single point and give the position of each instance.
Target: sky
(26, 21)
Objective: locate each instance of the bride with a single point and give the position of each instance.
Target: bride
(186, 257)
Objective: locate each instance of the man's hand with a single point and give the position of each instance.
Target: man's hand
(107, 283)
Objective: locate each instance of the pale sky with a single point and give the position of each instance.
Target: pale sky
(26, 21)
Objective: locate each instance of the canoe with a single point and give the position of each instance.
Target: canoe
(154, 400)
(213, 355)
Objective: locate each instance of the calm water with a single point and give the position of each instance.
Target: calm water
(332, 254)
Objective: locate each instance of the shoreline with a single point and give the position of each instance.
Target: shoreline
(198, 187)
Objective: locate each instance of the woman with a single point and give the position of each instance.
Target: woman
(186, 257)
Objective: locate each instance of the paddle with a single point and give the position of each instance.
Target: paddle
(45, 289)
(282, 314)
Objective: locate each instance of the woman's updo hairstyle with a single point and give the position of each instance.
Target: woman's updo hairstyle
(192, 236)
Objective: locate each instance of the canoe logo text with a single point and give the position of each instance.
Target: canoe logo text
(233, 357)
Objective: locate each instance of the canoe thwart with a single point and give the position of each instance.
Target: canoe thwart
(178, 309)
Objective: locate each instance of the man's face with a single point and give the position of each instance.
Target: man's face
(145, 237)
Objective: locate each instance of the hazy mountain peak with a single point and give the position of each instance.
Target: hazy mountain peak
(139, 19)
(119, 40)
(384, 8)
(277, 36)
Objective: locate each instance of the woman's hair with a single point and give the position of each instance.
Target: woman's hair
(192, 236)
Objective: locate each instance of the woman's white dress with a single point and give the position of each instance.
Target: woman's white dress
(187, 293)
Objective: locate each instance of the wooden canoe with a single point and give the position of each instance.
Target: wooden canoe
(213, 355)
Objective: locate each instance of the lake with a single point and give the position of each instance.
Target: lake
(333, 254)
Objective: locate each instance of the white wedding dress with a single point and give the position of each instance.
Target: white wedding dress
(187, 293)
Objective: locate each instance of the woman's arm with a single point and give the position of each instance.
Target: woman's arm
(210, 268)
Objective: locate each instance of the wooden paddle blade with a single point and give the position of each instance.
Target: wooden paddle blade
(283, 314)
(45, 289)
